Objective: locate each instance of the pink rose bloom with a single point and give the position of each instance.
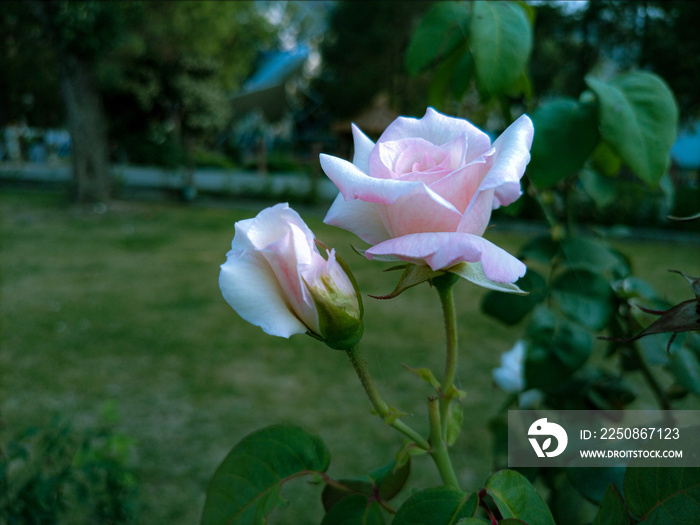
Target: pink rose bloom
(424, 192)
(275, 278)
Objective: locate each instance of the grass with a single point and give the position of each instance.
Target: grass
(124, 305)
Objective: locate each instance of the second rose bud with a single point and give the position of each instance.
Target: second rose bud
(276, 278)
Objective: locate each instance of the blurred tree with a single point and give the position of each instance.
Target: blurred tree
(561, 57)
(168, 83)
(80, 33)
(148, 75)
(670, 46)
(660, 36)
(362, 55)
(29, 81)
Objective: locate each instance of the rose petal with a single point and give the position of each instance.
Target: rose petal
(422, 210)
(476, 220)
(418, 159)
(461, 186)
(363, 147)
(438, 129)
(359, 217)
(510, 158)
(286, 257)
(270, 225)
(354, 184)
(445, 249)
(249, 285)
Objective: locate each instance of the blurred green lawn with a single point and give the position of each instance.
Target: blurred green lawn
(124, 305)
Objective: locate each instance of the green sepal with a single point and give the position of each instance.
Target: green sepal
(408, 450)
(454, 393)
(339, 329)
(339, 319)
(393, 414)
(472, 271)
(425, 374)
(413, 274)
(454, 420)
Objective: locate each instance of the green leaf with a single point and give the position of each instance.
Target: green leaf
(529, 9)
(355, 509)
(500, 41)
(474, 273)
(246, 486)
(605, 160)
(556, 349)
(441, 30)
(441, 79)
(663, 495)
(511, 309)
(515, 497)
(384, 482)
(390, 479)
(333, 494)
(567, 133)
(684, 365)
(451, 77)
(580, 253)
(584, 297)
(541, 249)
(638, 119)
(612, 510)
(634, 287)
(593, 482)
(437, 506)
(463, 74)
(601, 189)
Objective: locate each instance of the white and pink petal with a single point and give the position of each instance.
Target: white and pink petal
(359, 217)
(443, 250)
(363, 146)
(509, 160)
(438, 129)
(251, 288)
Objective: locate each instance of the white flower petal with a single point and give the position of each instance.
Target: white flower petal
(359, 217)
(510, 158)
(251, 288)
(354, 184)
(441, 250)
(363, 147)
(438, 129)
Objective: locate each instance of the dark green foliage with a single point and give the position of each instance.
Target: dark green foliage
(443, 505)
(363, 56)
(568, 128)
(515, 497)
(246, 486)
(58, 474)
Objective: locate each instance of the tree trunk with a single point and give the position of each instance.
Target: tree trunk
(86, 123)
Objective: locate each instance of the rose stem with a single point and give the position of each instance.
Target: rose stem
(360, 364)
(444, 285)
(439, 451)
